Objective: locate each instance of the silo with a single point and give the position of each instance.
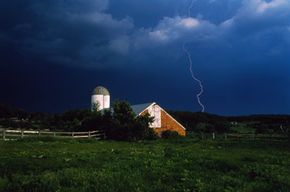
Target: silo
(100, 99)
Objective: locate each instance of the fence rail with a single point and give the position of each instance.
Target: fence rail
(239, 136)
(16, 133)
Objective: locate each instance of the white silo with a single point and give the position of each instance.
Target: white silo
(100, 98)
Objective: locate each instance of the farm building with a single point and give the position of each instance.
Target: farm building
(162, 120)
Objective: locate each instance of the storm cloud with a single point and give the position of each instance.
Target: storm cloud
(239, 49)
(65, 32)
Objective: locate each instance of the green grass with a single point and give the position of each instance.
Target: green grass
(163, 165)
(242, 128)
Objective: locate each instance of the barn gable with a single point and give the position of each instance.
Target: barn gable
(162, 120)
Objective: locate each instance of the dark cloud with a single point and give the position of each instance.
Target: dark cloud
(149, 13)
(239, 49)
(64, 32)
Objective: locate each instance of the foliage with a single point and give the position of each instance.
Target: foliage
(122, 124)
(205, 122)
(93, 121)
(242, 128)
(204, 128)
(95, 107)
(85, 120)
(126, 125)
(202, 122)
(160, 165)
(142, 124)
(9, 112)
(169, 134)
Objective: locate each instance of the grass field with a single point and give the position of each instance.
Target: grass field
(162, 165)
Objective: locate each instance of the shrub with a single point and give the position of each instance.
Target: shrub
(126, 126)
(169, 134)
(3, 183)
(150, 134)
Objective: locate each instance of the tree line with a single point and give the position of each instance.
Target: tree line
(121, 122)
(118, 123)
(205, 122)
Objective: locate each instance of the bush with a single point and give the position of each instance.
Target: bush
(126, 126)
(169, 134)
(150, 134)
(3, 183)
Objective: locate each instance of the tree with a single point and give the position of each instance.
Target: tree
(95, 107)
(123, 122)
(126, 125)
(143, 131)
(204, 128)
(93, 121)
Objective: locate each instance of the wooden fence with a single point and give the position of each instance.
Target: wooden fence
(14, 134)
(240, 136)
(17, 133)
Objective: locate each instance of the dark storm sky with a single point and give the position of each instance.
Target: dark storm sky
(53, 53)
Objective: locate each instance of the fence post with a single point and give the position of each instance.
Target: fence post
(22, 134)
(89, 134)
(213, 135)
(4, 134)
(104, 135)
(72, 134)
(54, 134)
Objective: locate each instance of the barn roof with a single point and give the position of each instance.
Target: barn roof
(137, 109)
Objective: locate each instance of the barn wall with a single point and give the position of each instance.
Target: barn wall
(167, 123)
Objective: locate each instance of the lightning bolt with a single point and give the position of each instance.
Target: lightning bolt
(199, 94)
(190, 7)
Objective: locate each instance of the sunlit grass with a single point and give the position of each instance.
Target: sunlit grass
(163, 165)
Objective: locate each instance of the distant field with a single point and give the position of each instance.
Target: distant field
(242, 128)
(162, 165)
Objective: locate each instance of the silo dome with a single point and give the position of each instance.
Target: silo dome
(100, 91)
(100, 98)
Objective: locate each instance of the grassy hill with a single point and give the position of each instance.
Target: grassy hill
(185, 164)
